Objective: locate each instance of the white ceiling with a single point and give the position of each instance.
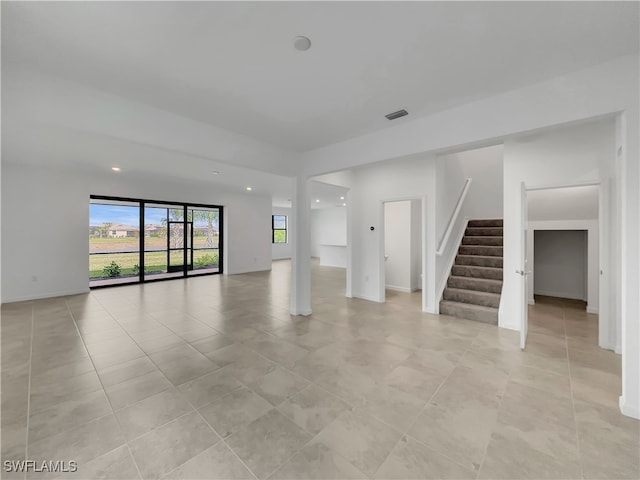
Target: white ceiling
(232, 64)
(574, 203)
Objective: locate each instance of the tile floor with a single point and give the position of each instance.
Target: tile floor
(211, 378)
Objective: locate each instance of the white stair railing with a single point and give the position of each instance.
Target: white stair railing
(450, 241)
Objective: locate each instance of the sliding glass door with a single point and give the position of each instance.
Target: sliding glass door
(177, 240)
(205, 238)
(114, 242)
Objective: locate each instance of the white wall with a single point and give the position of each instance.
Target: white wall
(450, 180)
(560, 263)
(485, 167)
(397, 245)
(328, 227)
(405, 179)
(74, 107)
(282, 250)
(45, 215)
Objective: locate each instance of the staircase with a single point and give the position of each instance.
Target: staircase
(475, 283)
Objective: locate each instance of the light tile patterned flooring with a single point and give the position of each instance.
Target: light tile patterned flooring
(211, 378)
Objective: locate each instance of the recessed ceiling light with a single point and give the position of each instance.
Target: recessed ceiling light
(344, 204)
(301, 43)
(249, 189)
(215, 172)
(317, 200)
(115, 169)
(341, 198)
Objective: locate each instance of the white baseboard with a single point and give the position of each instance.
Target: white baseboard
(398, 289)
(592, 310)
(509, 326)
(632, 411)
(608, 346)
(366, 297)
(531, 302)
(246, 270)
(42, 296)
(569, 295)
(618, 349)
(304, 313)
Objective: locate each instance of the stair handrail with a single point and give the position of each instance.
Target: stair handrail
(453, 218)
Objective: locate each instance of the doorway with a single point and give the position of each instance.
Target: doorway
(179, 246)
(403, 250)
(564, 238)
(560, 264)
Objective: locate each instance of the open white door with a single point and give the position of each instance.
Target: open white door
(523, 272)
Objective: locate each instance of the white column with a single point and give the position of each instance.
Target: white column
(301, 253)
(627, 134)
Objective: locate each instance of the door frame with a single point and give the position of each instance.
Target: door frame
(524, 268)
(427, 266)
(605, 325)
(187, 246)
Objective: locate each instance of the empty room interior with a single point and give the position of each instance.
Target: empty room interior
(336, 240)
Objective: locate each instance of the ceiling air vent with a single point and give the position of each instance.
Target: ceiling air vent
(398, 114)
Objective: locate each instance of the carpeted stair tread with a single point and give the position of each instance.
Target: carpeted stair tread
(474, 285)
(474, 271)
(484, 231)
(496, 222)
(484, 250)
(479, 261)
(477, 284)
(469, 312)
(482, 240)
(471, 296)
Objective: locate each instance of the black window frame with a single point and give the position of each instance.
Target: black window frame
(185, 205)
(274, 229)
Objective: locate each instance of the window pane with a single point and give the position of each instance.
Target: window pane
(206, 228)
(114, 242)
(156, 239)
(206, 258)
(177, 240)
(279, 221)
(279, 236)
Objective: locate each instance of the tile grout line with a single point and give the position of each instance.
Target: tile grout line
(194, 409)
(355, 408)
(197, 410)
(172, 386)
(199, 414)
(26, 442)
(103, 389)
(486, 449)
(225, 443)
(288, 370)
(573, 403)
(406, 432)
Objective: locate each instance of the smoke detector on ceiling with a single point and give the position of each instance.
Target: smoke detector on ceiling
(302, 43)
